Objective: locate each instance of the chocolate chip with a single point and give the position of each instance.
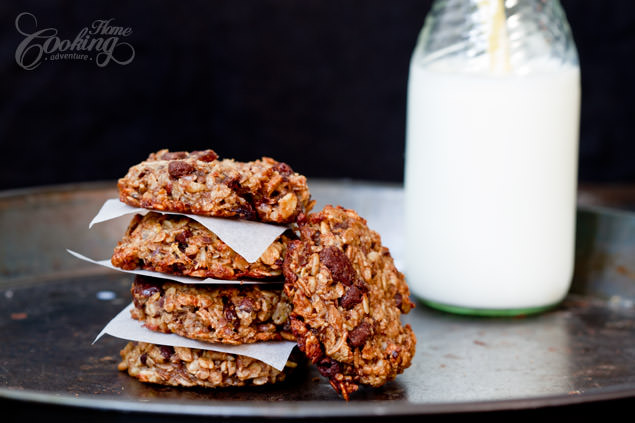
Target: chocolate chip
(232, 182)
(205, 155)
(174, 155)
(230, 315)
(246, 305)
(338, 264)
(150, 291)
(351, 297)
(302, 219)
(328, 367)
(176, 268)
(166, 351)
(357, 337)
(283, 169)
(398, 300)
(340, 225)
(143, 358)
(245, 211)
(182, 236)
(178, 168)
(145, 286)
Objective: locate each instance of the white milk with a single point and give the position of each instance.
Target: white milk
(491, 171)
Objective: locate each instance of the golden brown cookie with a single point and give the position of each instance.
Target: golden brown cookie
(229, 314)
(178, 366)
(199, 183)
(347, 299)
(179, 245)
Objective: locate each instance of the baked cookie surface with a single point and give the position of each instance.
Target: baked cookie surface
(179, 245)
(177, 366)
(199, 183)
(347, 299)
(212, 313)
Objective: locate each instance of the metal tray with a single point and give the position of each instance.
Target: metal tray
(53, 306)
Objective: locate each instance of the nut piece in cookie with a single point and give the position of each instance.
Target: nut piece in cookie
(347, 299)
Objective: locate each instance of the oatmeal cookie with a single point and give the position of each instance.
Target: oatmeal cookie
(212, 313)
(179, 245)
(200, 183)
(347, 299)
(178, 366)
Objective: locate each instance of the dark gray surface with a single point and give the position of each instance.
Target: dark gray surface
(583, 350)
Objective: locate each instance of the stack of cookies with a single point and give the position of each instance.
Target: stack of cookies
(342, 297)
(175, 244)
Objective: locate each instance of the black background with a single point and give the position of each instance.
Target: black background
(318, 84)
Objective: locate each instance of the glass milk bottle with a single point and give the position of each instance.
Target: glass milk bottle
(491, 157)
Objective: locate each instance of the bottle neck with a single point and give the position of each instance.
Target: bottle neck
(496, 37)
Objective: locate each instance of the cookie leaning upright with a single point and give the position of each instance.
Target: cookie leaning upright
(347, 301)
(200, 183)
